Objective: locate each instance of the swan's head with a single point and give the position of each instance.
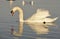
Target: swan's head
(12, 12)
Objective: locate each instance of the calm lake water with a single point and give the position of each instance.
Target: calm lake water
(6, 20)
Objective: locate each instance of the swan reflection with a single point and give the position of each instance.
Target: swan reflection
(20, 30)
(37, 27)
(11, 1)
(40, 28)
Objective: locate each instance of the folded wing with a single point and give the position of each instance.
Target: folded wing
(40, 13)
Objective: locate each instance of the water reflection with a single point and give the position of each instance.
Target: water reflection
(40, 28)
(20, 30)
(37, 27)
(15, 38)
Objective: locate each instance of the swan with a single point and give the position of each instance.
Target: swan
(39, 16)
(23, 3)
(31, 3)
(11, 1)
(20, 30)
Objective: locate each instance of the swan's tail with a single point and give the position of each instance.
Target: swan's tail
(55, 18)
(50, 19)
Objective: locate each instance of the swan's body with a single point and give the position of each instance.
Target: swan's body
(39, 16)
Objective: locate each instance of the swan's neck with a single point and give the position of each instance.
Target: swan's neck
(20, 27)
(20, 15)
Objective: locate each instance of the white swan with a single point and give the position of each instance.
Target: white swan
(39, 16)
(11, 1)
(23, 3)
(20, 30)
(31, 3)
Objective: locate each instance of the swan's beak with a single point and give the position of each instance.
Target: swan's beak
(12, 12)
